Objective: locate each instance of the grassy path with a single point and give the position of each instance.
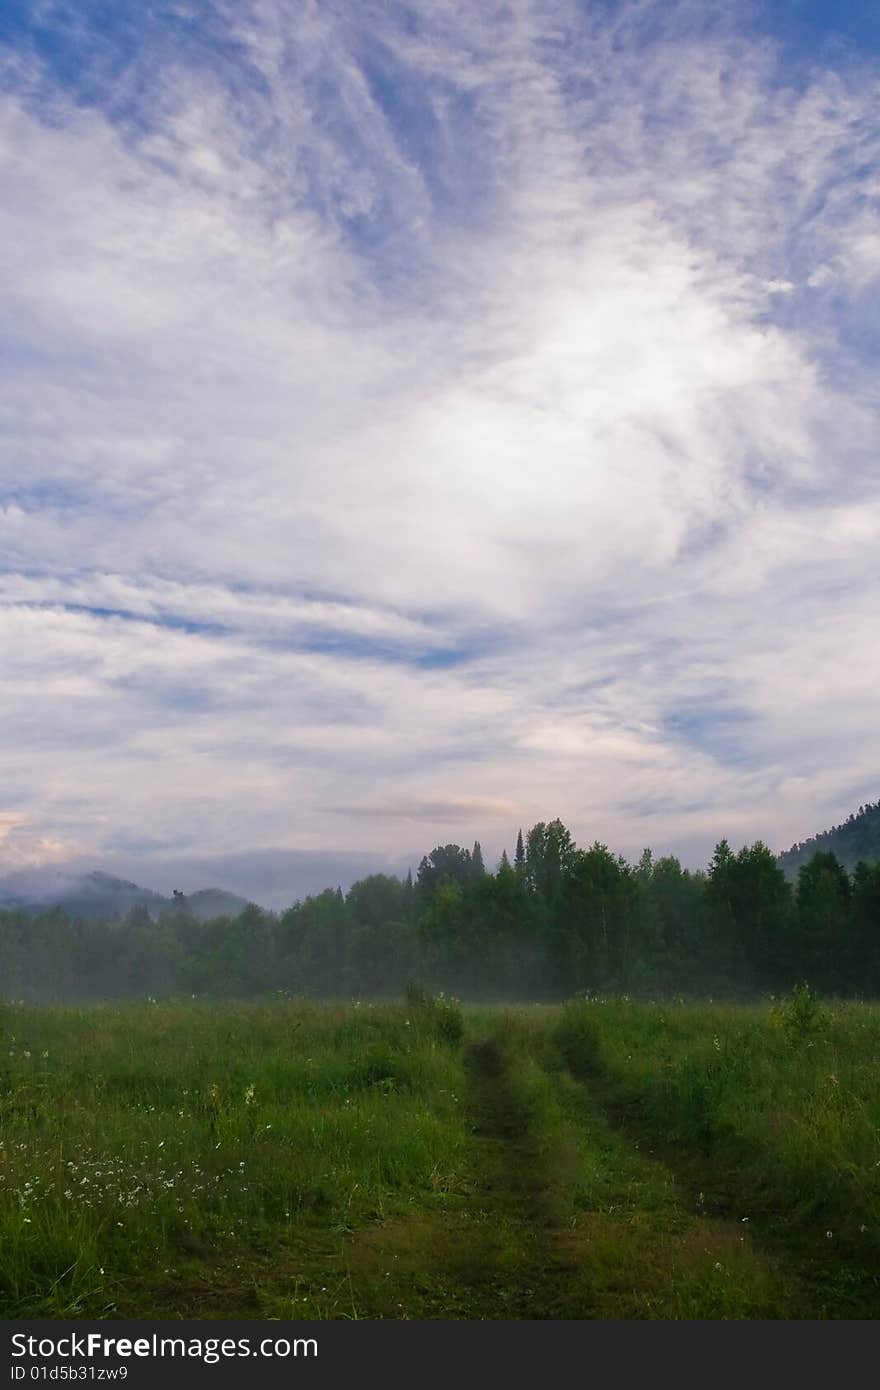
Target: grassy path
(570, 1209)
(490, 1256)
(823, 1280)
(304, 1161)
(566, 1217)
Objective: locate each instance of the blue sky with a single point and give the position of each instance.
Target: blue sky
(419, 420)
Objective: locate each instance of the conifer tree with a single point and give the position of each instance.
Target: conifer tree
(519, 858)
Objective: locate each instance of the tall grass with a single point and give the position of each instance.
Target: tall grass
(612, 1234)
(787, 1096)
(135, 1137)
(254, 1159)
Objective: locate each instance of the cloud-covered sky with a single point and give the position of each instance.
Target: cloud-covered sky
(419, 420)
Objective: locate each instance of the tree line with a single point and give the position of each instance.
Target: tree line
(555, 920)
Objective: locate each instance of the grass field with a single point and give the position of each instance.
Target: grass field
(288, 1159)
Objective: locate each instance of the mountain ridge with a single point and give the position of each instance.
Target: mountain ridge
(855, 839)
(102, 896)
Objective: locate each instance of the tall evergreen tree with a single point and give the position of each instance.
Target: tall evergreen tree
(865, 952)
(519, 858)
(409, 897)
(823, 911)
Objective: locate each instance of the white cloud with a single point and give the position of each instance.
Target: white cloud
(545, 364)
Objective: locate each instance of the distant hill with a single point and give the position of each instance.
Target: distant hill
(858, 838)
(95, 895)
(100, 896)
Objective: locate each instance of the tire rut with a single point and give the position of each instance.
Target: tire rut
(516, 1199)
(839, 1288)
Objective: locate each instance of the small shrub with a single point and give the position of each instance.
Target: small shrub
(440, 1014)
(416, 997)
(448, 1022)
(801, 1015)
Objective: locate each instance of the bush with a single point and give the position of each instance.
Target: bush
(801, 1015)
(439, 1014)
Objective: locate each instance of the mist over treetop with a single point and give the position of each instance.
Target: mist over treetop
(557, 919)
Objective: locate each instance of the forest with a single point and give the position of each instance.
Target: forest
(552, 921)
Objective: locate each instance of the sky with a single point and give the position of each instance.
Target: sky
(421, 420)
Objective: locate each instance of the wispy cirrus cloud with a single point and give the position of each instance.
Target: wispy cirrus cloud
(419, 407)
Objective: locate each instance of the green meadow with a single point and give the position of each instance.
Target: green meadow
(289, 1159)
